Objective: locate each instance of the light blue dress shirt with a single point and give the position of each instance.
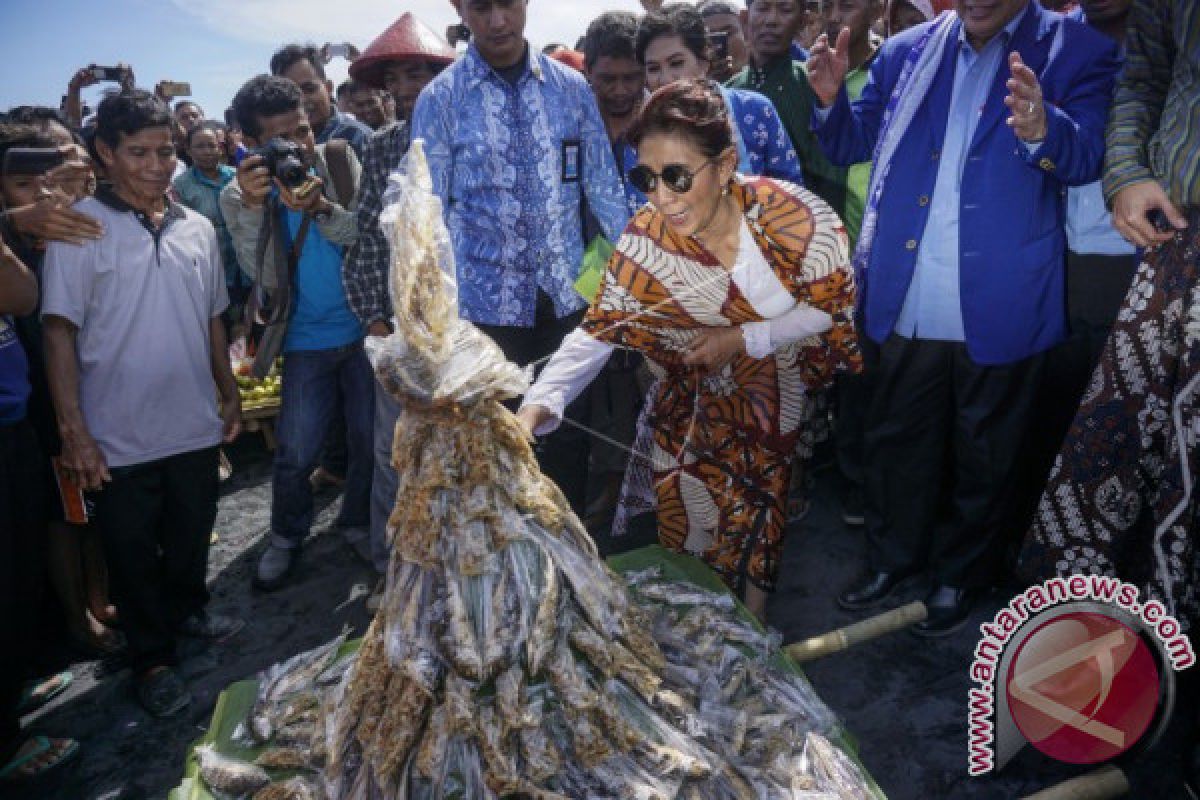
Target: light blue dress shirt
(512, 165)
(933, 307)
(1090, 228)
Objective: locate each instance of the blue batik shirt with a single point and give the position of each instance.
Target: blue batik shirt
(511, 163)
(766, 144)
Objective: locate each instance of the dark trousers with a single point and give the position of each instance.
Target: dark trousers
(22, 563)
(312, 382)
(156, 520)
(941, 439)
(854, 394)
(563, 455)
(1096, 286)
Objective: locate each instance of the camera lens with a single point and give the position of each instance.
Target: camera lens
(291, 172)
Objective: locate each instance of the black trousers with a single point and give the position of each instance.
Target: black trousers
(563, 455)
(156, 521)
(22, 564)
(854, 394)
(1096, 286)
(942, 437)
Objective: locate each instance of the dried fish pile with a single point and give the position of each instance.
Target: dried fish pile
(507, 659)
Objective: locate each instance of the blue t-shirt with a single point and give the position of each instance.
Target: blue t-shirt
(321, 319)
(14, 374)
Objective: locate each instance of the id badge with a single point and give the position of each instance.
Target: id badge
(571, 157)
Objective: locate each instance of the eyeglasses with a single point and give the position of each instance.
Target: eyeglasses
(676, 177)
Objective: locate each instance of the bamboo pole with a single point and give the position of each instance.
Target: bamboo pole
(844, 638)
(1106, 783)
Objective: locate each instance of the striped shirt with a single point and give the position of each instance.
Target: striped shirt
(1154, 127)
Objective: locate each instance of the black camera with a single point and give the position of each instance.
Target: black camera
(31, 160)
(284, 160)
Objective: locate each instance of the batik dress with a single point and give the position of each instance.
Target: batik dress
(717, 448)
(1121, 499)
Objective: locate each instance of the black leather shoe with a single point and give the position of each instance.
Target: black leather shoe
(949, 609)
(873, 589)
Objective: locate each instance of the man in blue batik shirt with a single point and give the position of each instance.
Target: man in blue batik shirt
(515, 144)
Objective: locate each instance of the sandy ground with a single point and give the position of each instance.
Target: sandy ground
(904, 699)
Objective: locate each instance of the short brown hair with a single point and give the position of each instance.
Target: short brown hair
(694, 109)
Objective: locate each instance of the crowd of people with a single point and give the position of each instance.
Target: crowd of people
(948, 247)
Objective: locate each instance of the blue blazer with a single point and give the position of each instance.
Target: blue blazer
(1011, 238)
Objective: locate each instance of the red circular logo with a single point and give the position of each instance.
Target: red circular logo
(1083, 688)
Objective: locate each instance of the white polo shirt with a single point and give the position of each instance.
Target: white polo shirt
(142, 300)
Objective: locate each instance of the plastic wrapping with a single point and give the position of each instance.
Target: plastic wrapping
(462, 773)
(507, 659)
(833, 769)
(228, 775)
(413, 608)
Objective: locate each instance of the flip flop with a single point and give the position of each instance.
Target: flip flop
(29, 702)
(42, 745)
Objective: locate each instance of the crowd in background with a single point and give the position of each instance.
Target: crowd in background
(1005, 300)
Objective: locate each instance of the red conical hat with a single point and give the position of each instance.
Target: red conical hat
(408, 39)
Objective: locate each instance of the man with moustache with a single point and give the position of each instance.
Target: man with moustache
(991, 114)
(619, 84)
(515, 144)
(136, 358)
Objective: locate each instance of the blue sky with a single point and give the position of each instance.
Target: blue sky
(214, 44)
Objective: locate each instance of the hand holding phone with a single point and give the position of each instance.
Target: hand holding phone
(718, 41)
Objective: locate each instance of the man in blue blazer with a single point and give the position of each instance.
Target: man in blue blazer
(977, 122)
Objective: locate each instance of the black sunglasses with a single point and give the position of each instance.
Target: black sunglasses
(676, 177)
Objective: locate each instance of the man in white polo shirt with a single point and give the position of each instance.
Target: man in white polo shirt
(136, 356)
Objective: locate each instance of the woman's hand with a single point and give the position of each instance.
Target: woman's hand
(534, 417)
(713, 348)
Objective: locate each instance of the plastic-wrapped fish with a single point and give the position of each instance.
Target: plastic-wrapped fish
(297, 674)
(833, 769)
(684, 594)
(291, 789)
(284, 758)
(229, 775)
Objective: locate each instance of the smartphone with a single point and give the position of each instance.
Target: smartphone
(77, 506)
(31, 160)
(116, 74)
(338, 50)
(175, 89)
(719, 42)
(231, 119)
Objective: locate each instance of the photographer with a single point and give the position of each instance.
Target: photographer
(136, 356)
(287, 212)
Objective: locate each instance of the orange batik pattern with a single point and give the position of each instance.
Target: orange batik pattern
(718, 449)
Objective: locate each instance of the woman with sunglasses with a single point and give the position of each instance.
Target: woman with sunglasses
(673, 45)
(737, 291)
